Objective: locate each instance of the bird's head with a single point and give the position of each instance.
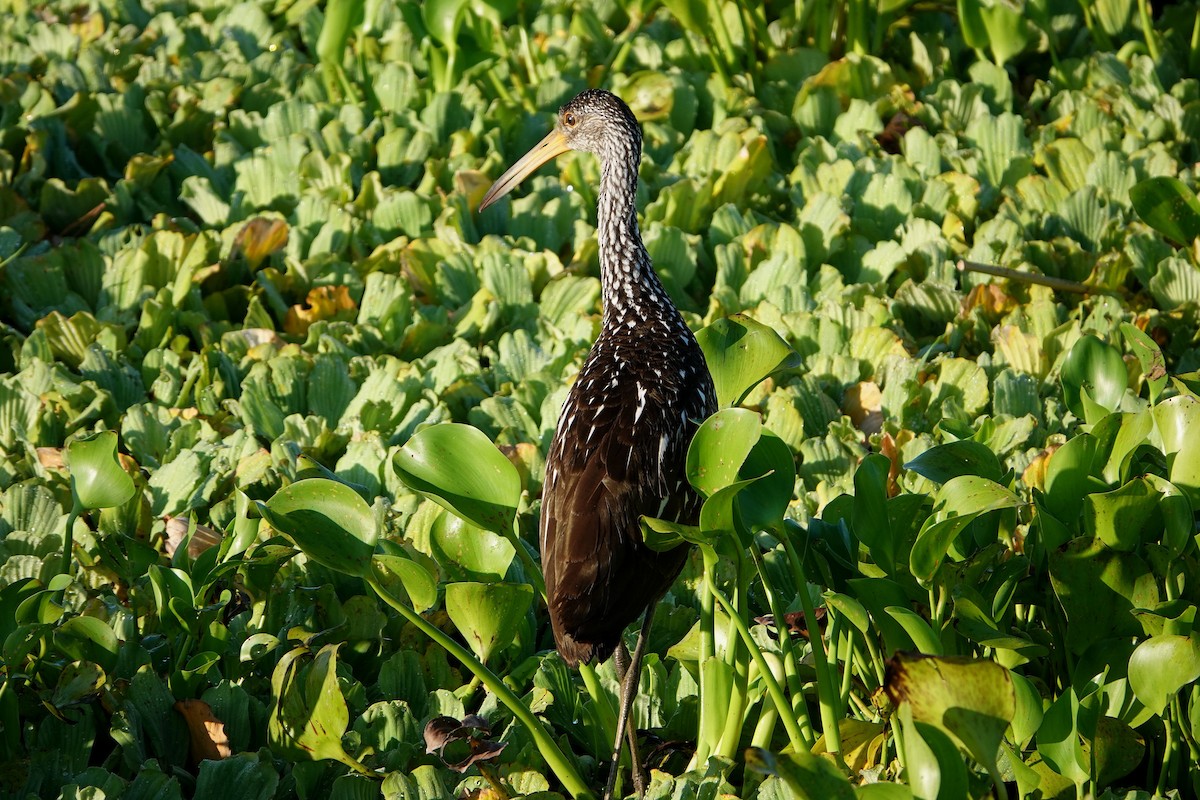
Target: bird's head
(595, 121)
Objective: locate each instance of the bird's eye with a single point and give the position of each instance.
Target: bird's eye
(569, 120)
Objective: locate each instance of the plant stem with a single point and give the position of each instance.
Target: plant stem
(787, 649)
(1148, 29)
(562, 767)
(790, 724)
(825, 686)
(69, 536)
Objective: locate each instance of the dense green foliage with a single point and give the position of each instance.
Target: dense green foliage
(274, 400)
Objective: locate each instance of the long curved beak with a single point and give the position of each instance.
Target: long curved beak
(555, 144)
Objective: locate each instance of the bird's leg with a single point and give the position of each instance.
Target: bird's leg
(630, 677)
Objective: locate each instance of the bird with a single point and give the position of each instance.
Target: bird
(619, 450)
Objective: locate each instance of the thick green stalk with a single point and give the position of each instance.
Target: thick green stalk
(736, 657)
(825, 686)
(705, 650)
(562, 767)
(591, 682)
(69, 536)
(774, 690)
(787, 649)
(1148, 29)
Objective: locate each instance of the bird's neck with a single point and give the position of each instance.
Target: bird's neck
(631, 288)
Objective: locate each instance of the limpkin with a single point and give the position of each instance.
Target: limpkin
(622, 438)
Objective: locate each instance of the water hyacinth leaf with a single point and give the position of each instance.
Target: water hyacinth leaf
(934, 767)
(88, 639)
(957, 504)
(1069, 477)
(996, 25)
(661, 535)
(1097, 369)
(487, 614)
(97, 479)
(1117, 749)
(965, 457)
(1098, 589)
(1161, 666)
(78, 682)
(806, 776)
(416, 581)
(1178, 424)
(328, 521)
(1117, 518)
(869, 515)
(971, 700)
(309, 713)
(1149, 356)
(1169, 206)
(720, 447)
(460, 469)
(1059, 740)
(741, 352)
(918, 629)
(461, 547)
(772, 467)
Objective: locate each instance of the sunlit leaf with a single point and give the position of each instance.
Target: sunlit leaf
(457, 467)
(741, 352)
(487, 614)
(1161, 666)
(96, 476)
(1169, 206)
(327, 520)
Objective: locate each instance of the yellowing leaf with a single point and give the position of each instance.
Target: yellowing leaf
(260, 238)
(323, 302)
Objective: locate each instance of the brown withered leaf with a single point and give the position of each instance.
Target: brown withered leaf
(259, 239)
(203, 538)
(443, 732)
(991, 299)
(889, 447)
(863, 404)
(51, 458)
(323, 302)
(208, 739)
(891, 135)
(794, 621)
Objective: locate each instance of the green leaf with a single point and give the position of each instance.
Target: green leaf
(1177, 420)
(442, 19)
(97, 479)
(957, 504)
(416, 581)
(1118, 517)
(806, 776)
(741, 352)
(1169, 206)
(328, 521)
(1161, 666)
(1149, 356)
(488, 614)
(309, 714)
(247, 776)
(720, 448)
(971, 700)
(1093, 374)
(88, 639)
(460, 469)
(965, 457)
